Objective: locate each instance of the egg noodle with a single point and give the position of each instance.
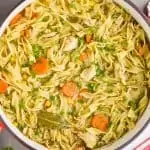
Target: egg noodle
(74, 74)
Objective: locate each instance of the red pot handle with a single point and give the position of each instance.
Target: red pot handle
(2, 126)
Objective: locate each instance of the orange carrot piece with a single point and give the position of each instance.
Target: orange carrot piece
(100, 121)
(70, 89)
(17, 18)
(88, 38)
(84, 56)
(3, 86)
(41, 66)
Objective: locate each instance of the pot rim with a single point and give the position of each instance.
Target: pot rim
(128, 137)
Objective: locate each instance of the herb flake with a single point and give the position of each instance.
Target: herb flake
(37, 50)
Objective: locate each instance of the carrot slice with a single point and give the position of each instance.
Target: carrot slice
(17, 18)
(84, 56)
(41, 66)
(88, 38)
(100, 121)
(70, 89)
(3, 86)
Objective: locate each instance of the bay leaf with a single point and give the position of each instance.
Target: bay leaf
(51, 120)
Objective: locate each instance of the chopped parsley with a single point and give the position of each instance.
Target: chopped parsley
(37, 50)
(73, 5)
(109, 47)
(99, 71)
(45, 19)
(92, 87)
(53, 98)
(132, 104)
(81, 41)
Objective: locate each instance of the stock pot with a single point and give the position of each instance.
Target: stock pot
(131, 8)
